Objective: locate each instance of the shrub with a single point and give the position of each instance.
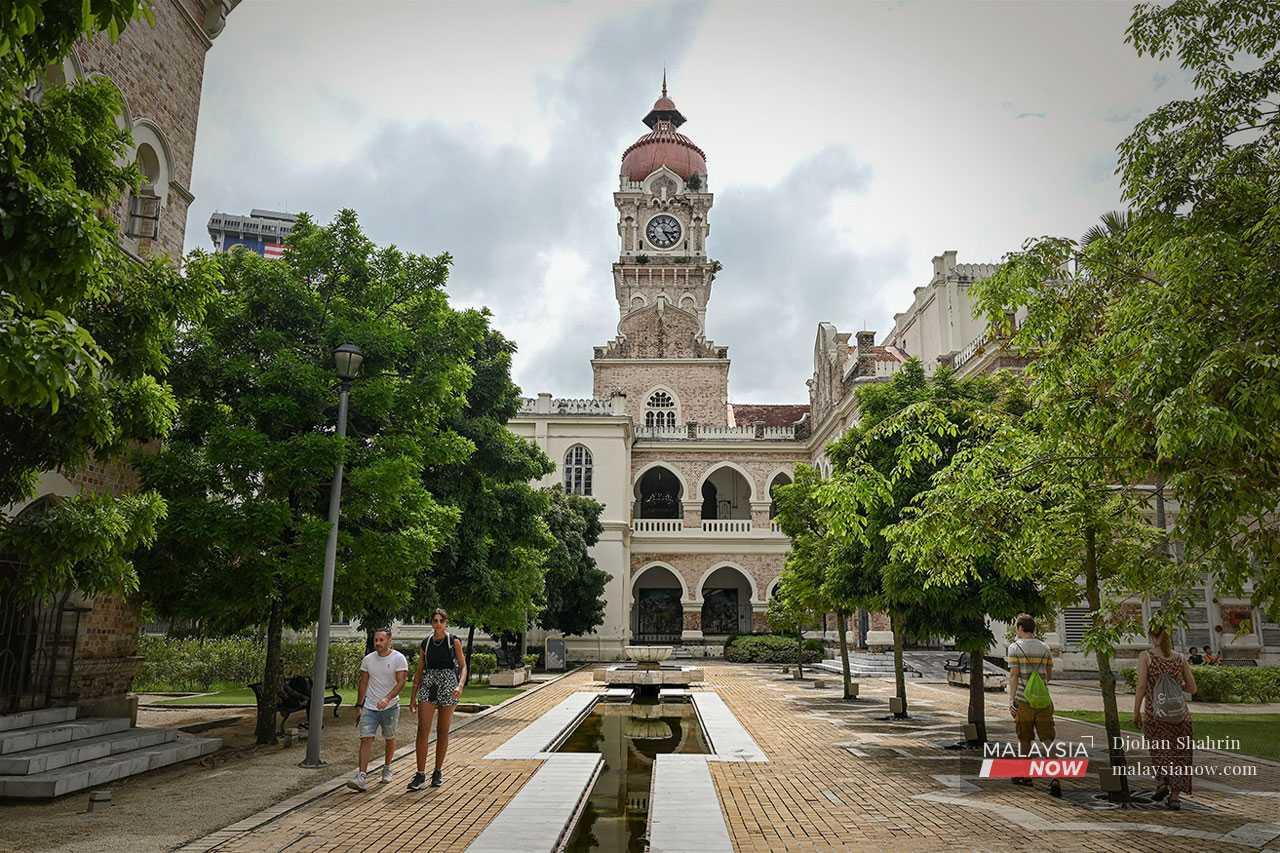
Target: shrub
(484, 663)
(530, 661)
(200, 664)
(1231, 684)
(769, 648)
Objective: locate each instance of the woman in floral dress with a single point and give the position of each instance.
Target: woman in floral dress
(1168, 740)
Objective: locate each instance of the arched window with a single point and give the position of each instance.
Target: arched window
(577, 470)
(660, 410)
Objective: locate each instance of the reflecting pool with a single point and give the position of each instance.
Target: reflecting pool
(629, 736)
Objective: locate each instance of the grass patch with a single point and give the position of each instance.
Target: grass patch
(1255, 732)
(478, 694)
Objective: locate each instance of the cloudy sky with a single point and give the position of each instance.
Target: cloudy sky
(847, 144)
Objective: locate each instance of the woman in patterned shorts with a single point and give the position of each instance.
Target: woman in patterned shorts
(437, 684)
(1168, 740)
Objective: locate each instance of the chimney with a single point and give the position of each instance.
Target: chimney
(543, 406)
(866, 360)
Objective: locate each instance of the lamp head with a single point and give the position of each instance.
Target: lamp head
(348, 358)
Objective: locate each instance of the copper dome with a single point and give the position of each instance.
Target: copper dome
(663, 145)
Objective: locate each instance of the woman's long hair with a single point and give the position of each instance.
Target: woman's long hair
(1160, 637)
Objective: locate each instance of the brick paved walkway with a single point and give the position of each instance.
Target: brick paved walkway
(838, 777)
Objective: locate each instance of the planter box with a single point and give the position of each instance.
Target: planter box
(509, 677)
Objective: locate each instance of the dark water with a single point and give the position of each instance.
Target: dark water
(630, 736)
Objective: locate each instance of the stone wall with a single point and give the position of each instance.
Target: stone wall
(701, 386)
(693, 464)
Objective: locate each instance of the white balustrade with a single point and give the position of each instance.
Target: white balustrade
(787, 433)
(775, 527)
(726, 525)
(663, 433)
(727, 432)
(657, 525)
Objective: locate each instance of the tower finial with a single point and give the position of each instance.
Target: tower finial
(664, 81)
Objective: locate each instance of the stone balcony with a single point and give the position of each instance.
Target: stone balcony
(707, 527)
(701, 432)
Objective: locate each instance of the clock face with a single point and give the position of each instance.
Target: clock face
(663, 231)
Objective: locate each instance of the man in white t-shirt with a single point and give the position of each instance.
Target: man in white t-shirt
(383, 673)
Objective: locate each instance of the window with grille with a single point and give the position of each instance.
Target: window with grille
(1075, 621)
(144, 215)
(577, 470)
(660, 411)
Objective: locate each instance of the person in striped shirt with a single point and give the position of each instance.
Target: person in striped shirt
(1027, 655)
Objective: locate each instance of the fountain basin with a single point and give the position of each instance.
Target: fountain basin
(648, 654)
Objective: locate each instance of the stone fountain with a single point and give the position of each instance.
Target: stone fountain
(646, 669)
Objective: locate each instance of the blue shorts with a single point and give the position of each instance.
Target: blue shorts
(388, 719)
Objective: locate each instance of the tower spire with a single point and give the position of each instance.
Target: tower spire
(664, 81)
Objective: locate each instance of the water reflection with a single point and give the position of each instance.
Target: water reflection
(629, 736)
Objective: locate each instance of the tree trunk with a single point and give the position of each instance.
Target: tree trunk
(368, 640)
(272, 675)
(471, 641)
(1107, 679)
(800, 653)
(841, 619)
(899, 676)
(977, 695)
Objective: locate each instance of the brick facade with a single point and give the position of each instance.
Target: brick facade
(700, 386)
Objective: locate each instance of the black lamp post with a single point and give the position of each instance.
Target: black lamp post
(347, 358)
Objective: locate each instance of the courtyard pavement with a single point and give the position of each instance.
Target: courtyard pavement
(839, 777)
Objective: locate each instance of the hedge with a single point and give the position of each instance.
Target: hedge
(192, 664)
(1231, 684)
(769, 648)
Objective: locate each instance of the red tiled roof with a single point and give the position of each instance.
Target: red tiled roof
(750, 414)
(882, 353)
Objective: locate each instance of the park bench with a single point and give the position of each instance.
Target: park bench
(1239, 662)
(295, 695)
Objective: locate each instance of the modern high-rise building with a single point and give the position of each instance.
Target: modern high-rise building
(262, 231)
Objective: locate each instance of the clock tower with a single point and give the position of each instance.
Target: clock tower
(662, 281)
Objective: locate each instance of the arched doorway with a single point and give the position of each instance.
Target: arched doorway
(726, 494)
(658, 494)
(779, 479)
(726, 602)
(657, 616)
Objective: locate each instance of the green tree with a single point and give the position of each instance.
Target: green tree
(820, 571)
(246, 471)
(908, 429)
(86, 332)
(789, 615)
(574, 593)
(489, 572)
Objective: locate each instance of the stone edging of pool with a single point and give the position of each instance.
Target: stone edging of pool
(684, 808)
(219, 837)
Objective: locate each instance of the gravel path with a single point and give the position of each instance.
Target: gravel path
(165, 808)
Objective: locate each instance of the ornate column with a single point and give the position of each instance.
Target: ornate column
(692, 514)
(760, 515)
(692, 620)
(759, 617)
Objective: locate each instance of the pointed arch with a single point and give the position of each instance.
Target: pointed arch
(716, 466)
(725, 564)
(658, 564)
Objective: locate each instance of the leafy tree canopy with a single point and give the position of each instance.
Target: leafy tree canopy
(574, 584)
(86, 332)
(248, 466)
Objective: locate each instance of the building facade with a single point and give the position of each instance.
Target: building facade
(686, 475)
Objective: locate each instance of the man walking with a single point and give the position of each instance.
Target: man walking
(383, 673)
(1030, 659)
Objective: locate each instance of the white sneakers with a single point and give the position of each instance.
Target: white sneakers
(360, 781)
